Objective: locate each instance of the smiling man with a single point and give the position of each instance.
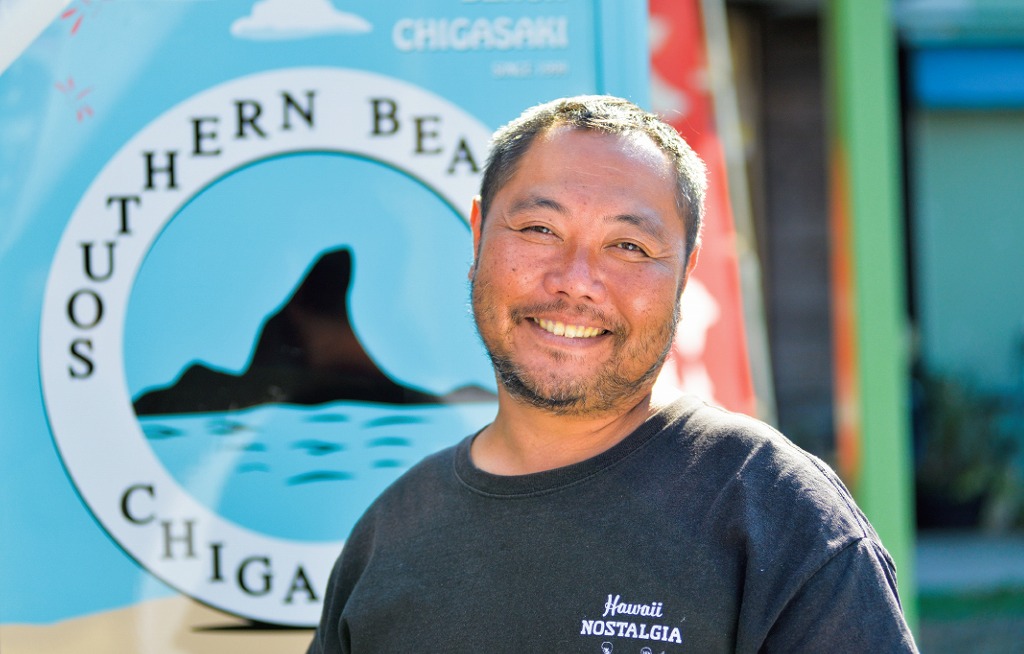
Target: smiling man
(587, 516)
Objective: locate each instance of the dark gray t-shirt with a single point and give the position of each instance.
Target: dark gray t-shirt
(703, 531)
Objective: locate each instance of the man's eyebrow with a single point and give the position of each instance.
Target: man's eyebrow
(644, 223)
(536, 202)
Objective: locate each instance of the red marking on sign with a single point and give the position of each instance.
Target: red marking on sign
(82, 111)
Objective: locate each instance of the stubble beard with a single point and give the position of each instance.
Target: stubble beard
(601, 393)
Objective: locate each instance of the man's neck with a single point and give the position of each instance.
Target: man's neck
(524, 439)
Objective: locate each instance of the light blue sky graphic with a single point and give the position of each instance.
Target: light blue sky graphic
(236, 252)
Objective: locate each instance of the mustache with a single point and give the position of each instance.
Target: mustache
(521, 313)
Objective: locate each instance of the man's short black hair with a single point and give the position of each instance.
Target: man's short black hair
(608, 115)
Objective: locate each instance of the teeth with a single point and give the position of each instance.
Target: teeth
(569, 331)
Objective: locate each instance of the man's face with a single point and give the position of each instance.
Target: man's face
(580, 264)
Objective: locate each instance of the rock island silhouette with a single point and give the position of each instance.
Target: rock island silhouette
(307, 353)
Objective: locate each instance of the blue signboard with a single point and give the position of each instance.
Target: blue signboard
(233, 259)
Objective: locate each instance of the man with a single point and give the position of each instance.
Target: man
(587, 517)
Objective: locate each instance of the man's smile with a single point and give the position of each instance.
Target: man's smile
(559, 328)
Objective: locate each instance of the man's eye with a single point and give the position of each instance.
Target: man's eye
(631, 247)
(540, 229)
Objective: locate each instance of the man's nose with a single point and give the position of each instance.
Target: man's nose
(576, 275)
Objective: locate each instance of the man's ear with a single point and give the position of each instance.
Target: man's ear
(476, 220)
(692, 262)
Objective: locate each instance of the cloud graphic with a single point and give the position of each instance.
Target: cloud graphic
(278, 20)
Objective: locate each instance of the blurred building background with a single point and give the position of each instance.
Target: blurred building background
(960, 107)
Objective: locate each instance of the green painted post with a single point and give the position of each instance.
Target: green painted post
(867, 182)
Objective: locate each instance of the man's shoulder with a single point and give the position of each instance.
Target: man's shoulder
(738, 440)
(433, 469)
(426, 482)
(744, 460)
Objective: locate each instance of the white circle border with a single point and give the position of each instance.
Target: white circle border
(91, 418)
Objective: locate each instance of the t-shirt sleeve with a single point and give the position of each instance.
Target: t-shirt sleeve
(347, 570)
(849, 605)
(325, 638)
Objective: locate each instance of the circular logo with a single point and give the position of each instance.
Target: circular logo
(227, 422)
